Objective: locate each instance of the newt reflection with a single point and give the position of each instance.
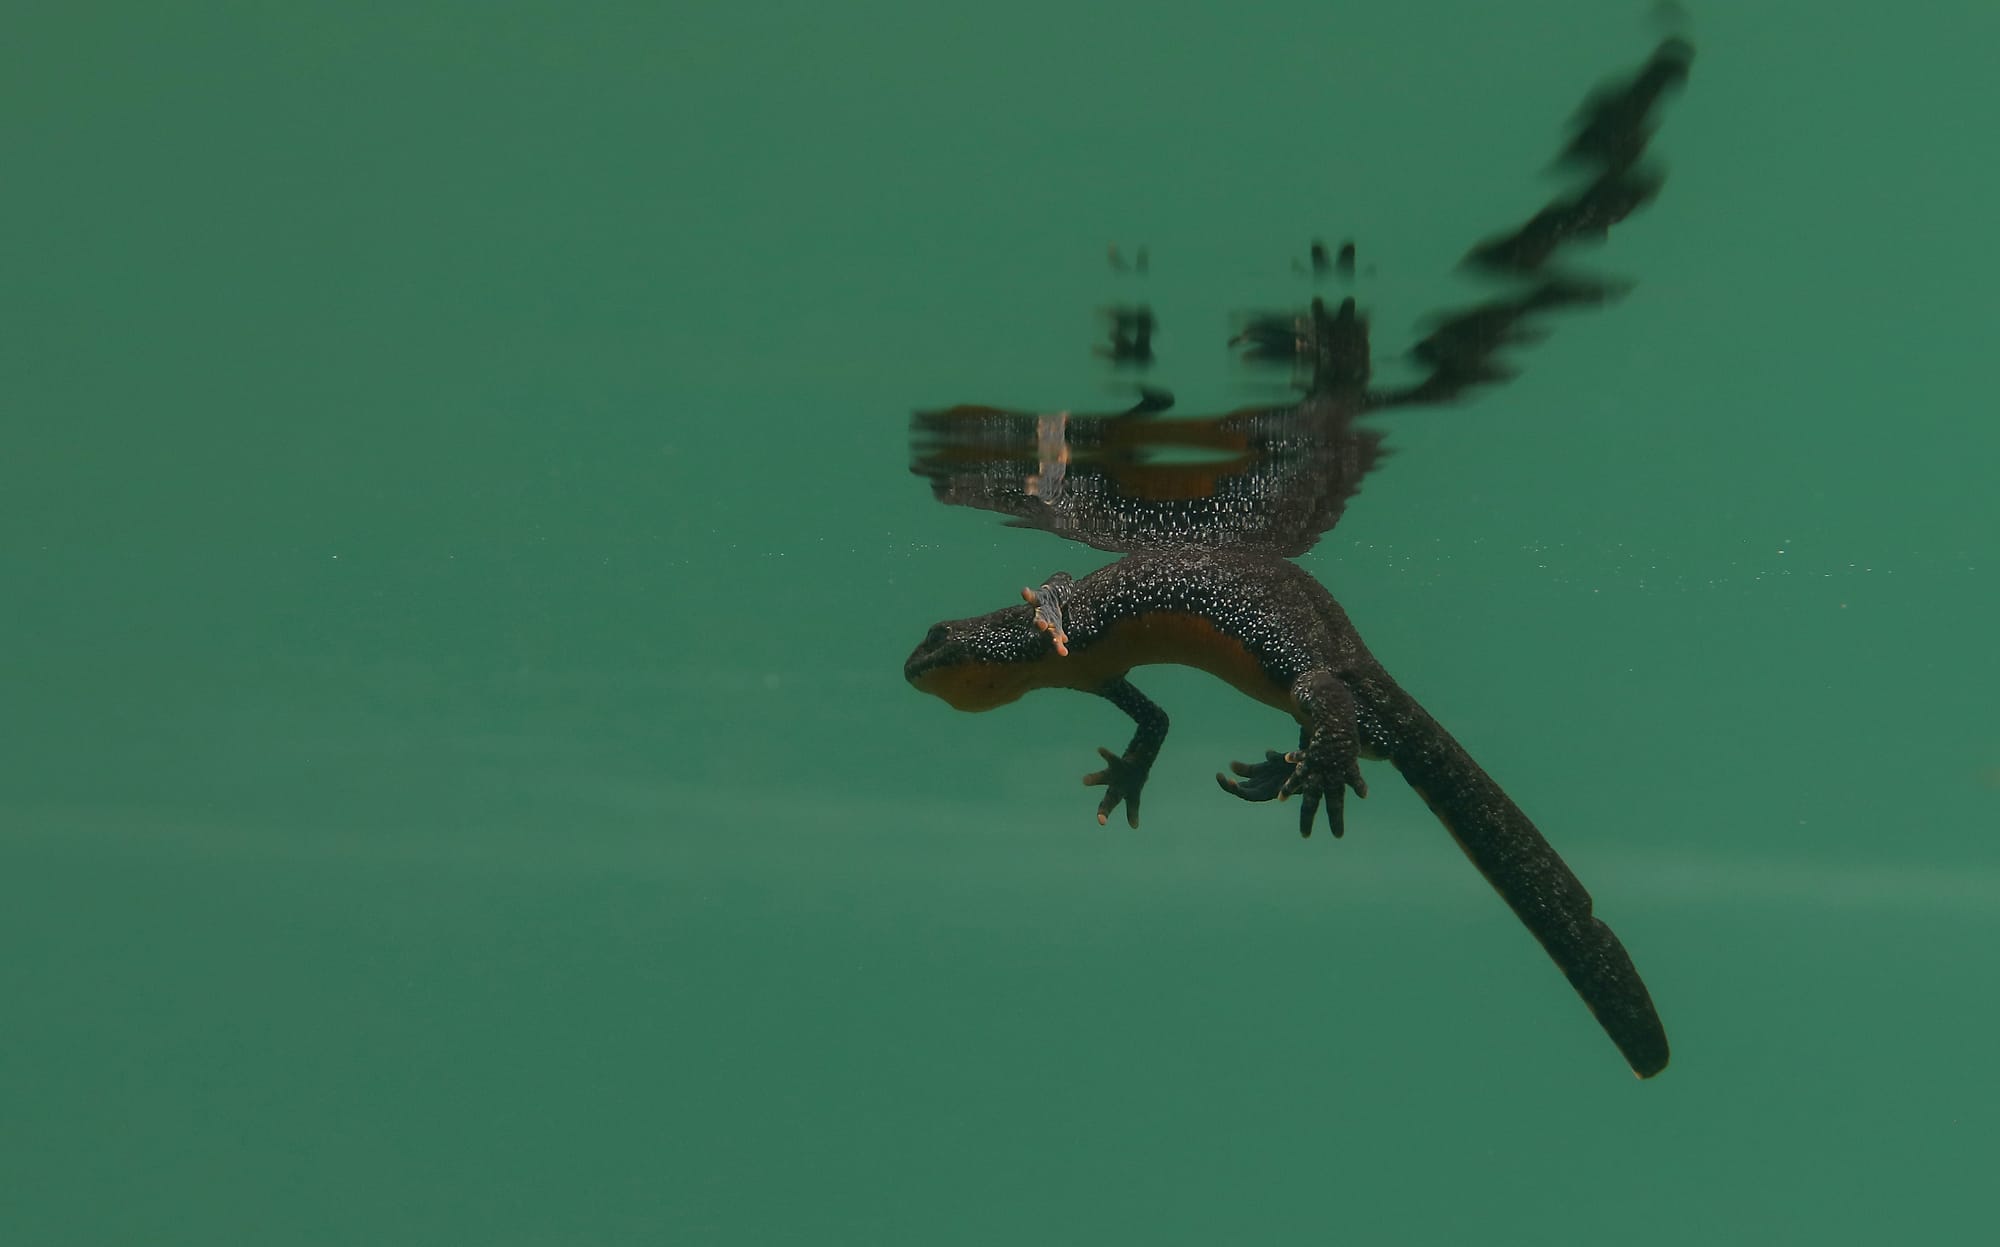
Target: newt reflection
(1207, 580)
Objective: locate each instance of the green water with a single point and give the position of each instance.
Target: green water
(457, 782)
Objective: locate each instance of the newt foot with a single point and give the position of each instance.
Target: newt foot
(1122, 779)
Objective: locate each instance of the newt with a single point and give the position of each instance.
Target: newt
(1266, 626)
(1207, 578)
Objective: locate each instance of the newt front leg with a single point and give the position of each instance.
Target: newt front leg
(1123, 777)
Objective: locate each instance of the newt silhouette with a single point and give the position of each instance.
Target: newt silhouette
(1207, 578)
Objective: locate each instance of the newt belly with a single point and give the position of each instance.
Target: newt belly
(1176, 638)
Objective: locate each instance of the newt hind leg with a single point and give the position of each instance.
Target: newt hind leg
(1326, 763)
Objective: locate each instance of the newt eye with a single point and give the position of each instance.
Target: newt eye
(935, 637)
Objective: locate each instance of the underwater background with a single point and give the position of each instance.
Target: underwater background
(457, 783)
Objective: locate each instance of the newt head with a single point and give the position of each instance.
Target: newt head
(982, 662)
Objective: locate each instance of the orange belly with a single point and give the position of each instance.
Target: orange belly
(1172, 637)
